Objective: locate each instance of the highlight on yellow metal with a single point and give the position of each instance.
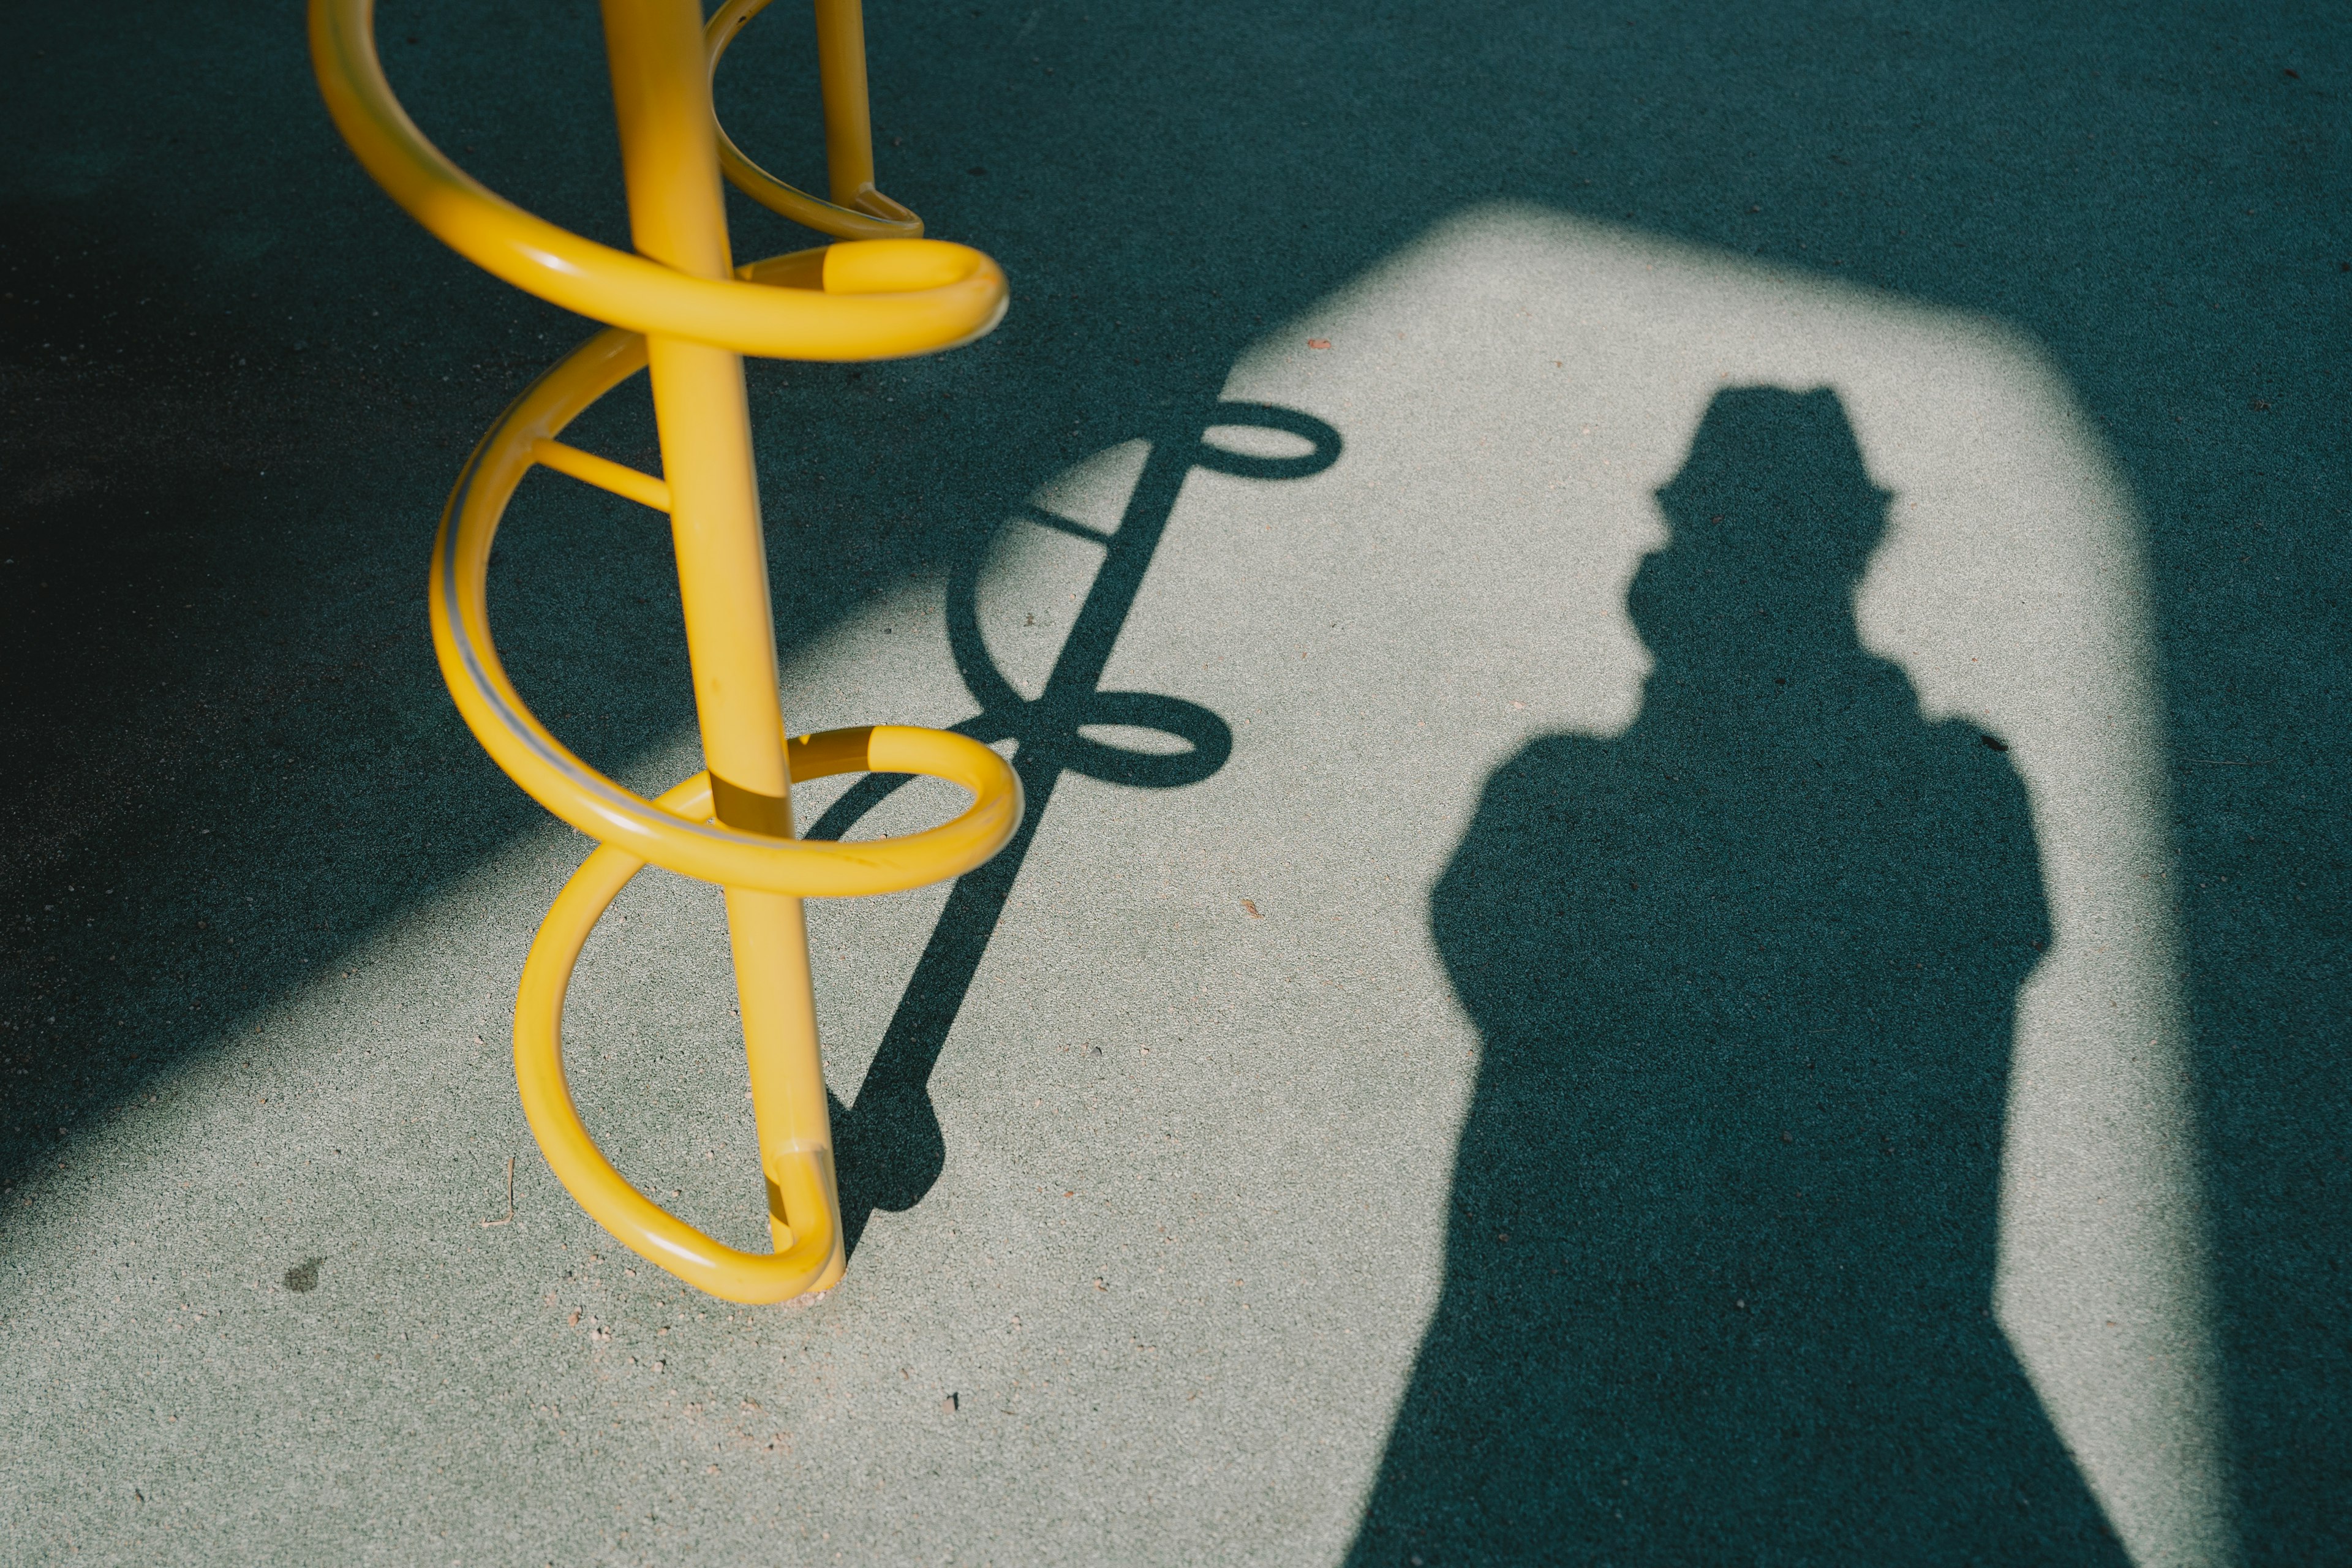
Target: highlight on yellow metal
(680, 308)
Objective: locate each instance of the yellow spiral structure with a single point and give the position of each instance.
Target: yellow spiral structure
(681, 309)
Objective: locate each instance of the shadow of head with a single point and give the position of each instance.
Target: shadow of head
(1773, 518)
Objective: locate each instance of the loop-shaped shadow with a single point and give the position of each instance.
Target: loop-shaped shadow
(1322, 442)
(1209, 739)
(1047, 729)
(1058, 740)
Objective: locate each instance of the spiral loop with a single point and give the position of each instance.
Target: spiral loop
(919, 297)
(883, 291)
(552, 774)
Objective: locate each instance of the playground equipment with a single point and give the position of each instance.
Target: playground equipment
(681, 310)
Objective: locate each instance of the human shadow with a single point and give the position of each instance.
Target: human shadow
(1719, 1261)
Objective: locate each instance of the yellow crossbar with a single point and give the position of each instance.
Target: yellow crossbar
(602, 472)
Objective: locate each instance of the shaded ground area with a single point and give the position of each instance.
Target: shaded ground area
(234, 381)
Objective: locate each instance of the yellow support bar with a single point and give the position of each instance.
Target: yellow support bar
(857, 210)
(602, 472)
(681, 310)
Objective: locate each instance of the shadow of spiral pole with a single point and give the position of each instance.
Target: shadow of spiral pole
(890, 1147)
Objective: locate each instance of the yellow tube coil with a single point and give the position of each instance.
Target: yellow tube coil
(683, 308)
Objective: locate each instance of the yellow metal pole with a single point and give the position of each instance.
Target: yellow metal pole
(678, 309)
(848, 125)
(670, 158)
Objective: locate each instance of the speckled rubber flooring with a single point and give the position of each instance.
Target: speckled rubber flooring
(1681, 675)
